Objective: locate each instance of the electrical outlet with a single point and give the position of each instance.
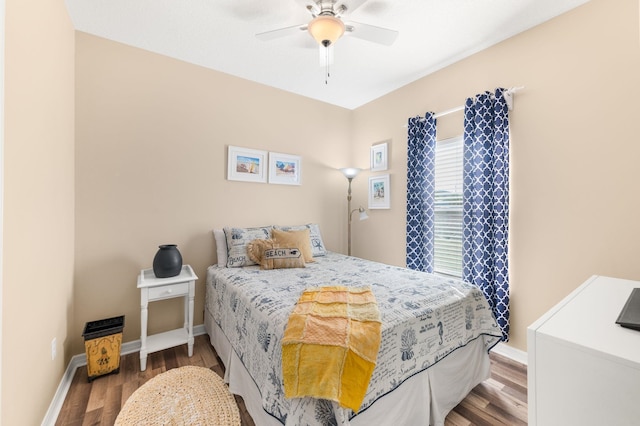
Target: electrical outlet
(53, 349)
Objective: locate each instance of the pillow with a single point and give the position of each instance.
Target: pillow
(237, 240)
(221, 247)
(294, 239)
(269, 256)
(317, 245)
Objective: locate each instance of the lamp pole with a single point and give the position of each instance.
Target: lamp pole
(349, 173)
(349, 217)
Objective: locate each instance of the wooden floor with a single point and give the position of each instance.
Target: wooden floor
(501, 400)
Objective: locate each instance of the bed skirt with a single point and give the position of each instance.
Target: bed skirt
(424, 399)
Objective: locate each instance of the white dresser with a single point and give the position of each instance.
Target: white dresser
(583, 369)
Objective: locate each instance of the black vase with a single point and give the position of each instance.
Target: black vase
(167, 261)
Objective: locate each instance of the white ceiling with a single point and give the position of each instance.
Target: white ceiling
(220, 34)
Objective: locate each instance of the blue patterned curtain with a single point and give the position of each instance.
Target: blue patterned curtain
(421, 192)
(485, 209)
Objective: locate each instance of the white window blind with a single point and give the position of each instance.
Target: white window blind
(448, 207)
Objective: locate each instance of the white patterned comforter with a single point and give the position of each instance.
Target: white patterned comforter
(424, 318)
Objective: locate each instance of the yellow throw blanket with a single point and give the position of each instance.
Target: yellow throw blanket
(330, 345)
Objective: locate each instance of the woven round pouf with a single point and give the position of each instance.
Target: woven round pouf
(181, 396)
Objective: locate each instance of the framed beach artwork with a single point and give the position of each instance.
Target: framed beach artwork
(284, 169)
(248, 165)
(379, 157)
(379, 192)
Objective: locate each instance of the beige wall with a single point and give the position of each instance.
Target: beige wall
(151, 160)
(38, 206)
(151, 155)
(574, 152)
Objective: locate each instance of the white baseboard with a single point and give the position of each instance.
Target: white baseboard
(510, 352)
(80, 360)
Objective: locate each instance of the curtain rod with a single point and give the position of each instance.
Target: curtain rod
(508, 96)
(449, 111)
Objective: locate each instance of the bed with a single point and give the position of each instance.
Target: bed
(435, 337)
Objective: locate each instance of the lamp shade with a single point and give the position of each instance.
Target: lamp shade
(350, 172)
(326, 29)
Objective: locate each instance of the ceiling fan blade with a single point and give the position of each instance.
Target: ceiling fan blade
(281, 32)
(371, 33)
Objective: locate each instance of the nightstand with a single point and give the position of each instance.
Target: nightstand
(152, 289)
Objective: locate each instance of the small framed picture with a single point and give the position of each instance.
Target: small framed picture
(248, 165)
(284, 169)
(379, 157)
(379, 192)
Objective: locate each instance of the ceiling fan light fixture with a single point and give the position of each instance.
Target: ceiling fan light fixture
(326, 29)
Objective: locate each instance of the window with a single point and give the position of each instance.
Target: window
(448, 207)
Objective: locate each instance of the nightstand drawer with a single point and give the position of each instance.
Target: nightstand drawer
(167, 291)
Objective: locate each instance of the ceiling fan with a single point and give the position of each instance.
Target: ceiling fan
(327, 27)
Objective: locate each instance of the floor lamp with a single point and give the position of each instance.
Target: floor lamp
(350, 173)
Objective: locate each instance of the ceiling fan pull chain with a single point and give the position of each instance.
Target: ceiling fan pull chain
(326, 53)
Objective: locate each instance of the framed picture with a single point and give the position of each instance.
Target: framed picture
(379, 157)
(379, 192)
(249, 165)
(284, 169)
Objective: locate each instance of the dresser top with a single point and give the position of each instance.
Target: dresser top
(586, 319)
